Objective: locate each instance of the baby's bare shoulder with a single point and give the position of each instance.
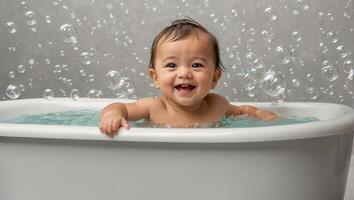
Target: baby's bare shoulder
(216, 98)
(217, 101)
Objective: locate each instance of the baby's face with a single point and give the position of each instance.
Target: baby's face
(185, 69)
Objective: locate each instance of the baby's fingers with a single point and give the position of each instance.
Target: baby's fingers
(125, 123)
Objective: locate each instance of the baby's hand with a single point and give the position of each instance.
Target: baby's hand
(110, 124)
(266, 115)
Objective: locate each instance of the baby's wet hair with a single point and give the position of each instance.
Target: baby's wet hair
(180, 29)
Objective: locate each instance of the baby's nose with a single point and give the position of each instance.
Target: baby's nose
(185, 73)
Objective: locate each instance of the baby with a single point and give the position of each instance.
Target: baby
(184, 65)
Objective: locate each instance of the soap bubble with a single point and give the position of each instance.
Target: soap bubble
(296, 36)
(311, 93)
(12, 74)
(283, 54)
(21, 69)
(86, 58)
(247, 80)
(271, 14)
(348, 68)
(112, 80)
(13, 91)
(267, 36)
(125, 88)
(93, 93)
(273, 84)
(11, 27)
(332, 36)
(48, 94)
(68, 33)
(341, 52)
(30, 18)
(330, 72)
(74, 94)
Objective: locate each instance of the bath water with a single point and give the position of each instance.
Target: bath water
(91, 118)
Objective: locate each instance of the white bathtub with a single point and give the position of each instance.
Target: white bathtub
(291, 162)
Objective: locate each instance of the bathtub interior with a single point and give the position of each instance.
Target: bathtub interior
(11, 109)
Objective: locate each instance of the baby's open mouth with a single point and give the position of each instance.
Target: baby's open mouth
(181, 87)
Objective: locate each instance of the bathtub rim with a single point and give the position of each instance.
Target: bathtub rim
(341, 125)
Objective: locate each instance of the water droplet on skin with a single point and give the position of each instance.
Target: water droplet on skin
(68, 33)
(74, 94)
(13, 92)
(273, 84)
(30, 18)
(48, 94)
(11, 27)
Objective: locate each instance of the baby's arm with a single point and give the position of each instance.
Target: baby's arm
(115, 115)
(251, 110)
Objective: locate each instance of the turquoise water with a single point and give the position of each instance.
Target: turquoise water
(91, 117)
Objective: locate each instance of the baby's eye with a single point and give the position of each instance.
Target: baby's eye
(197, 65)
(171, 65)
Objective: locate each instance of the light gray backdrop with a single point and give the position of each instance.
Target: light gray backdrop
(64, 45)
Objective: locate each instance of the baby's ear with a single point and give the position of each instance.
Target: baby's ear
(153, 76)
(216, 77)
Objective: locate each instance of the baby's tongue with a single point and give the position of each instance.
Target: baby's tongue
(184, 89)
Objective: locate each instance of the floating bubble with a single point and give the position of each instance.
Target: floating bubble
(283, 54)
(296, 82)
(11, 27)
(330, 72)
(271, 14)
(341, 52)
(47, 19)
(30, 18)
(12, 74)
(332, 36)
(48, 94)
(310, 77)
(311, 93)
(296, 36)
(303, 4)
(68, 33)
(125, 88)
(21, 69)
(247, 80)
(273, 84)
(13, 91)
(74, 94)
(86, 58)
(93, 93)
(112, 80)
(348, 68)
